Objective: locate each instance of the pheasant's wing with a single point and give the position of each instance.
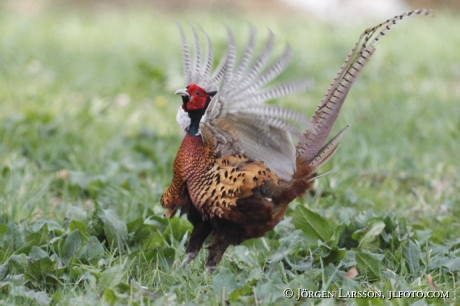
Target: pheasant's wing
(310, 147)
(234, 178)
(237, 117)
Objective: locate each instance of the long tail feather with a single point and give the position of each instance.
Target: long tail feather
(197, 60)
(245, 58)
(326, 152)
(209, 56)
(230, 60)
(329, 108)
(185, 55)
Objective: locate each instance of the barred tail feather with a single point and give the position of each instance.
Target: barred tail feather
(310, 148)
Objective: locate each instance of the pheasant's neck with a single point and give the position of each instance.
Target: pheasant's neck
(195, 117)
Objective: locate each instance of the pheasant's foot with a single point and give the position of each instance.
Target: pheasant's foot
(188, 258)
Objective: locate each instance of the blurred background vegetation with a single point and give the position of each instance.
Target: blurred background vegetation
(87, 115)
(79, 78)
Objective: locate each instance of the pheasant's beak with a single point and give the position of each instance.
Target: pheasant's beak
(185, 97)
(183, 92)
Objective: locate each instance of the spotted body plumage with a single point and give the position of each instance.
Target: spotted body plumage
(237, 168)
(214, 184)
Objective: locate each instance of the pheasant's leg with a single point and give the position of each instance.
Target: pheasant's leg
(216, 251)
(223, 237)
(199, 234)
(201, 230)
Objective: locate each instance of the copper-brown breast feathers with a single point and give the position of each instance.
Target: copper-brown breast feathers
(192, 160)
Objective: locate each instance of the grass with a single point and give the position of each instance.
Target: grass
(88, 140)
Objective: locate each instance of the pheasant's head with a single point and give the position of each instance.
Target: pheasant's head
(195, 98)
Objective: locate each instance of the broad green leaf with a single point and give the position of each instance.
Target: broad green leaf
(346, 214)
(144, 235)
(77, 225)
(134, 225)
(335, 255)
(313, 225)
(4, 270)
(110, 278)
(37, 253)
(224, 279)
(437, 261)
(387, 237)
(255, 276)
(400, 257)
(52, 225)
(89, 298)
(423, 236)
(94, 248)
(454, 245)
(75, 272)
(244, 256)
(13, 239)
(453, 264)
(177, 228)
(245, 290)
(152, 255)
(167, 253)
(390, 223)
(412, 256)
(109, 297)
(139, 231)
(114, 229)
(290, 244)
(38, 270)
(40, 297)
(345, 239)
(72, 244)
(125, 288)
(154, 241)
(272, 289)
(39, 238)
(57, 297)
(157, 221)
(402, 225)
(3, 229)
(369, 265)
(90, 183)
(75, 213)
(18, 263)
(94, 223)
(369, 237)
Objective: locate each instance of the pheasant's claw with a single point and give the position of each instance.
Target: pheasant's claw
(188, 258)
(210, 269)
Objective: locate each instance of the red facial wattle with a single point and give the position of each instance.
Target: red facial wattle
(198, 97)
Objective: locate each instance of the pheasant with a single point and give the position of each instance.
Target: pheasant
(237, 169)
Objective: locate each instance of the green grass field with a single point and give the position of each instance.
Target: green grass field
(88, 138)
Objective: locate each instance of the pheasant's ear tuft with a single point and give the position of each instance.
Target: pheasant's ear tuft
(211, 93)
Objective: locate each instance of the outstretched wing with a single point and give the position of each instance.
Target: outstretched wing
(237, 117)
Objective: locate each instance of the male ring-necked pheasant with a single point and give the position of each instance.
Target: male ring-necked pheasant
(237, 168)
